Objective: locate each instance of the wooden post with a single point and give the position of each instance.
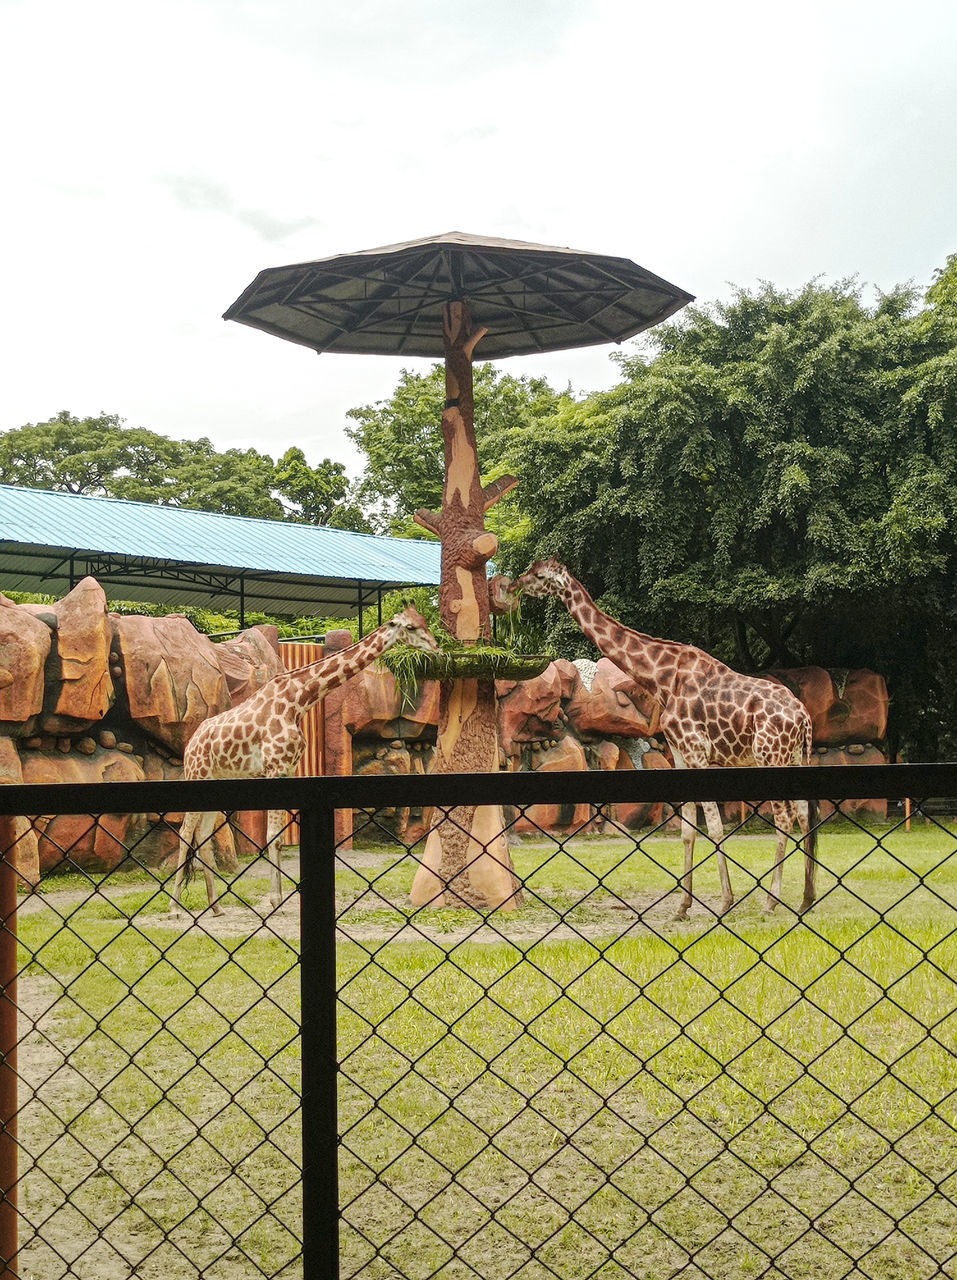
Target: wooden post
(466, 859)
(9, 1149)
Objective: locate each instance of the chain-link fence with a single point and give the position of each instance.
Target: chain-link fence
(580, 1086)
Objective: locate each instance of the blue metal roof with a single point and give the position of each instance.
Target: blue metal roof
(175, 556)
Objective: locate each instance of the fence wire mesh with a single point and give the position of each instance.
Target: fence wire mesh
(587, 1088)
(580, 1087)
(158, 1067)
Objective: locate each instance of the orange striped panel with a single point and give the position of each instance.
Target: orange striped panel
(296, 653)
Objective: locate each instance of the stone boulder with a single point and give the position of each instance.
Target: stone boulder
(383, 760)
(529, 709)
(864, 694)
(854, 753)
(24, 855)
(566, 753)
(79, 690)
(613, 707)
(249, 661)
(25, 643)
(154, 837)
(845, 706)
(81, 840)
(603, 755)
(170, 676)
(45, 612)
(372, 706)
(10, 767)
(622, 757)
(569, 678)
(408, 823)
(87, 696)
(380, 759)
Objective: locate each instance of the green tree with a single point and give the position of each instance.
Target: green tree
(310, 495)
(101, 456)
(82, 455)
(776, 481)
(401, 439)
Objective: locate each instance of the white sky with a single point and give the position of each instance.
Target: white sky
(159, 153)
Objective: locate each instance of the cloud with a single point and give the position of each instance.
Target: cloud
(198, 194)
(157, 150)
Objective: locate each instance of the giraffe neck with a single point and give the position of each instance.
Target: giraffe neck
(306, 686)
(653, 662)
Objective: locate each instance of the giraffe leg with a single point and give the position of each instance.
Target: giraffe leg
(783, 813)
(807, 821)
(716, 832)
(206, 857)
(274, 827)
(688, 816)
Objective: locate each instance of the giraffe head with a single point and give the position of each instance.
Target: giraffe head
(544, 578)
(409, 627)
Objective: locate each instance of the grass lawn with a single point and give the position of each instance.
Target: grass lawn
(581, 1087)
(162, 1137)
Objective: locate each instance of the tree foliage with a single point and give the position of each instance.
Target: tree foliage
(776, 481)
(774, 478)
(103, 457)
(402, 441)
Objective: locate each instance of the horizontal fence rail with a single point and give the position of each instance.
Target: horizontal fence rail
(893, 781)
(583, 1086)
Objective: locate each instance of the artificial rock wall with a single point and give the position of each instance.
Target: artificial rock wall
(581, 716)
(87, 696)
(91, 696)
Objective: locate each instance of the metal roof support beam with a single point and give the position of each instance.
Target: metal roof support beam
(170, 556)
(174, 582)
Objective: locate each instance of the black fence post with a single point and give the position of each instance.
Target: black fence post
(9, 1104)
(320, 1129)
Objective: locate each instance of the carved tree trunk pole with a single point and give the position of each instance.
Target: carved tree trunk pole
(466, 859)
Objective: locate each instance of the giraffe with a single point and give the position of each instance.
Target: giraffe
(262, 738)
(708, 714)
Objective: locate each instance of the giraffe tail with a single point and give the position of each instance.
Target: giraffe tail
(810, 855)
(187, 849)
(810, 836)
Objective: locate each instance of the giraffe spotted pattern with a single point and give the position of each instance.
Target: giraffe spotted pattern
(262, 738)
(709, 716)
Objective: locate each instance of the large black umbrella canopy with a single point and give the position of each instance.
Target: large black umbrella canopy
(441, 297)
(389, 301)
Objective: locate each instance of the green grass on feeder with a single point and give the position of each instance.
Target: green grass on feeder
(498, 660)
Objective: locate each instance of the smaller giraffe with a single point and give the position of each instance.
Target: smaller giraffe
(262, 738)
(709, 715)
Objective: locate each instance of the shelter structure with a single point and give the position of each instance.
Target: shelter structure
(443, 296)
(174, 556)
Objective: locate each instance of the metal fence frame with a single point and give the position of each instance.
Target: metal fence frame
(317, 800)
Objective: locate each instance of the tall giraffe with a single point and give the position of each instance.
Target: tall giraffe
(708, 714)
(262, 738)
